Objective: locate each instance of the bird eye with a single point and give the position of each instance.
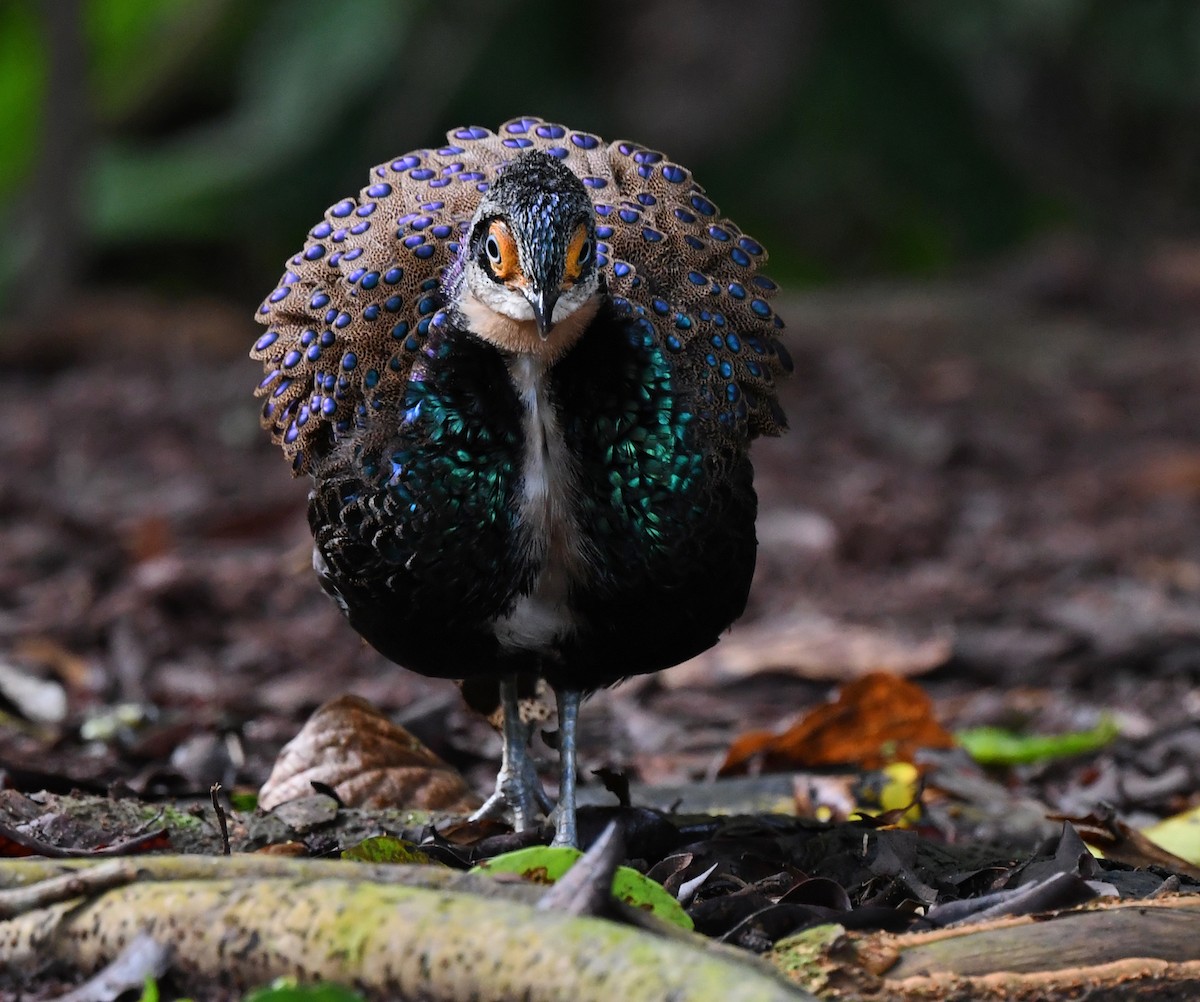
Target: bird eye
(579, 253)
(501, 251)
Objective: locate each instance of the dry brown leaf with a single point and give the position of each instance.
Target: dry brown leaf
(148, 538)
(810, 645)
(1118, 841)
(1167, 471)
(74, 671)
(293, 849)
(368, 761)
(876, 719)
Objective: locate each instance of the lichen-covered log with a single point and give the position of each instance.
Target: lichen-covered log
(389, 941)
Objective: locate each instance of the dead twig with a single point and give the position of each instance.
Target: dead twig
(144, 958)
(221, 820)
(156, 839)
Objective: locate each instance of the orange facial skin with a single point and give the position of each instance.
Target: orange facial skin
(574, 267)
(506, 266)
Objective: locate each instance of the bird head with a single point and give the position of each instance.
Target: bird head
(530, 273)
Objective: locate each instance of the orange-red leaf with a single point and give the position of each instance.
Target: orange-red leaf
(876, 719)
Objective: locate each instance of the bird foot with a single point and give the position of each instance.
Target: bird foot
(518, 798)
(566, 831)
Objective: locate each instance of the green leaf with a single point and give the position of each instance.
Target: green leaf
(286, 990)
(243, 801)
(997, 746)
(385, 849)
(149, 991)
(546, 864)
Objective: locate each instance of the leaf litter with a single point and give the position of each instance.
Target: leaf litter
(1020, 534)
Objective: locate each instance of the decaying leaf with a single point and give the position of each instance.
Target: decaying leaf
(893, 795)
(1179, 835)
(368, 761)
(813, 646)
(875, 720)
(1174, 471)
(1118, 841)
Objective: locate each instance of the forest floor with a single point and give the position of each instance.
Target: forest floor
(991, 483)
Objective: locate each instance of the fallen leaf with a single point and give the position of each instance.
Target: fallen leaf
(810, 645)
(997, 746)
(547, 864)
(896, 793)
(386, 849)
(874, 720)
(1120, 842)
(1179, 835)
(368, 761)
(75, 672)
(1166, 472)
(824, 796)
(148, 538)
(40, 700)
(283, 849)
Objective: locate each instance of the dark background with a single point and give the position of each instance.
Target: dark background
(183, 146)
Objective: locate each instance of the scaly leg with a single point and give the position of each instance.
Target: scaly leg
(565, 830)
(519, 794)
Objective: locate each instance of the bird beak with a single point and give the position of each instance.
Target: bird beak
(543, 302)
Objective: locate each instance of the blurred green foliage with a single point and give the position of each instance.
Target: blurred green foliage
(872, 137)
(22, 76)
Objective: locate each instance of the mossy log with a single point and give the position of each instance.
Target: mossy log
(385, 939)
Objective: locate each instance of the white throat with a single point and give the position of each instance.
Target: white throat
(491, 319)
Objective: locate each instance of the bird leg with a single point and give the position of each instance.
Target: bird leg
(565, 830)
(519, 794)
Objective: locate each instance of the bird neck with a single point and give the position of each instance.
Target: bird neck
(520, 337)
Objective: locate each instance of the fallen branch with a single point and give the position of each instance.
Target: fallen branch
(1129, 950)
(385, 939)
(143, 958)
(156, 839)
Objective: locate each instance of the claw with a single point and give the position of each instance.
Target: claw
(518, 796)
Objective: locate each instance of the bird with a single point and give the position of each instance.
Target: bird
(522, 372)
